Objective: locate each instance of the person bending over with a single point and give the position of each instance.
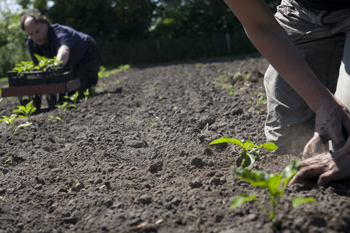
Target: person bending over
(307, 43)
(76, 50)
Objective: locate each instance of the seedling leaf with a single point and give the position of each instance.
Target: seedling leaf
(271, 184)
(254, 177)
(240, 199)
(226, 139)
(250, 150)
(269, 146)
(296, 201)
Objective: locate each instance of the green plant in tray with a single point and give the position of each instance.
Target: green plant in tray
(44, 64)
(274, 186)
(26, 111)
(24, 66)
(250, 150)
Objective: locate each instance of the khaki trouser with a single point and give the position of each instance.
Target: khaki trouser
(323, 39)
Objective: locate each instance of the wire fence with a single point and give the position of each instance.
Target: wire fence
(152, 51)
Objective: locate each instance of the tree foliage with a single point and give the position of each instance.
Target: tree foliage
(12, 40)
(110, 22)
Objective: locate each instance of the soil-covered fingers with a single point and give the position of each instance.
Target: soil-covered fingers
(310, 168)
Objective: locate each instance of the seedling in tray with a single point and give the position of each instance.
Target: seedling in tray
(274, 186)
(250, 150)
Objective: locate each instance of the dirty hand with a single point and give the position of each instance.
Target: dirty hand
(333, 123)
(329, 166)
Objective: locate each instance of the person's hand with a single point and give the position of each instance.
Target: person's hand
(333, 123)
(326, 166)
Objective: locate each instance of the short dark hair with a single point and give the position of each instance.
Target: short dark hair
(36, 15)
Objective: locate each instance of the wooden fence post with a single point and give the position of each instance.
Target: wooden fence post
(228, 41)
(158, 49)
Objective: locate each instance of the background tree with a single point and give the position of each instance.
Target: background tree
(12, 39)
(133, 31)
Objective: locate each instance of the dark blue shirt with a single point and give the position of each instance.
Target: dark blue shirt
(328, 5)
(59, 35)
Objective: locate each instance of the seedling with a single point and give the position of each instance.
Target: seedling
(274, 186)
(86, 94)
(24, 66)
(26, 111)
(43, 65)
(63, 106)
(47, 63)
(9, 159)
(73, 98)
(9, 122)
(53, 117)
(250, 150)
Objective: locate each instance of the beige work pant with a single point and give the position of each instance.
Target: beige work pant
(323, 39)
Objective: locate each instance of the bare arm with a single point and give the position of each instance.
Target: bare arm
(63, 54)
(273, 42)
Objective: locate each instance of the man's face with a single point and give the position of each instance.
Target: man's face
(36, 31)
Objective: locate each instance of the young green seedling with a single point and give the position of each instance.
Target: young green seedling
(9, 122)
(26, 111)
(73, 98)
(274, 186)
(63, 106)
(250, 150)
(53, 117)
(9, 159)
(86, 94)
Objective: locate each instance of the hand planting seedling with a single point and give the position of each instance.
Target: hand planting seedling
(250, 150)
(9, 122)
(274, 186)
(26, 111)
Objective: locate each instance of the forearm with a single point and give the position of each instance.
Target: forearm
(63, 54)
(275, 45)
(283, 55)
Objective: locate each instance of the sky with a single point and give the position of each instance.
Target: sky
(9, 4)
(14, 7)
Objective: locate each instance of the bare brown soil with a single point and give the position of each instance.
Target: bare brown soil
(136, 158)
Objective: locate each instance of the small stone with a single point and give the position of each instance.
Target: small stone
(156, 167)
(196, 183)
(145, 199)
(197, 162)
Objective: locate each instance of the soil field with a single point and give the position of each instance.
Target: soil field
(136, 158)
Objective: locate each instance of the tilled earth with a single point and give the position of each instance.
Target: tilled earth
(136, 158)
